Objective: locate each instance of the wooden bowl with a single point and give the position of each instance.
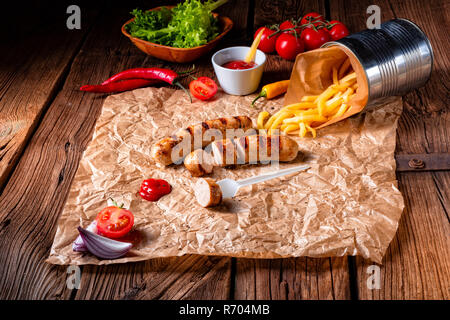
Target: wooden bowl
(180, 55)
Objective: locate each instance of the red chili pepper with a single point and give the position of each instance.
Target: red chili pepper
(165, 75)
(118, 86)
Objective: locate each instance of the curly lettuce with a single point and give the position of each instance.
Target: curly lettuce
(189, 24)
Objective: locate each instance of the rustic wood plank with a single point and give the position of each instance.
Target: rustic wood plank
(31, 69)
(416, 265)
(33, 199)
(293, 279)
(191, 277)
(238, 12)
(300, 278)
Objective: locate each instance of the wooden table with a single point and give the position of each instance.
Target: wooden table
(46, 124)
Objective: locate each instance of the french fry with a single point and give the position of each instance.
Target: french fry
(305, 112)
(343, 68)
(335, 76)
(262, 119)
(348, 78)
(272, 119)
(347, 94)
(302, 131)
(312, 130)
(341, 111)
(332, 104)
(340, 87)
(308, 98)
(300, 105)
(334, 98)
(323, 97)
(306, 118)
(279, 120)
(288, 128)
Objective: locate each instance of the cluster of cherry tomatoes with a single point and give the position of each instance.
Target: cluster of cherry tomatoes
(296, 36)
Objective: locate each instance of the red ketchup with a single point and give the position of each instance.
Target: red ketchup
(239, 65)
(153, 189)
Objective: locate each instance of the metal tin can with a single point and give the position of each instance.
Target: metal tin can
(397, 58)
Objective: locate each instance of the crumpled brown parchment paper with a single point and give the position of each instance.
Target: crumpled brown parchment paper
(346, 204)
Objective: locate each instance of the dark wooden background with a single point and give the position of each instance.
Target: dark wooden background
(46, 124)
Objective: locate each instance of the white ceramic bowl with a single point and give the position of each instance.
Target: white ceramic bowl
(238, 82)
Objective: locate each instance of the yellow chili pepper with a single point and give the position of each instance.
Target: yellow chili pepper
(273, 90)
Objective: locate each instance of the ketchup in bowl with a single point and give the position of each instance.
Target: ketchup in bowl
(239, 65)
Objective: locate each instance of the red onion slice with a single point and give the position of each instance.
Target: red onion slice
(78, 245)
(103, 247)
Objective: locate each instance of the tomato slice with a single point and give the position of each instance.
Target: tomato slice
(203, 88)
(114, 222)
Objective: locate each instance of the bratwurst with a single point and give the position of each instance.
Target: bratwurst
(243, 150)
(207, 192)
(173, 149)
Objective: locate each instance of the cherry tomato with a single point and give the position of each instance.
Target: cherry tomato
(267, 44)
(289, 25)
(338, 30)
(114, 222)
(289, 46)
(153, 189)
(314, 39)
(314, 17)
(203, 88)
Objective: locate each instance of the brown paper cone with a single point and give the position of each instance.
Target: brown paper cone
(312, 74)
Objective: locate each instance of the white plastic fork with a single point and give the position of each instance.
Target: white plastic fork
(230, 187)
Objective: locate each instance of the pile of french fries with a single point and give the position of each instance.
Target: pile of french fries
(312, 111)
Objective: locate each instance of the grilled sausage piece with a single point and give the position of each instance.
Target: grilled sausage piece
(199, 163)
(253, 149)
(248, 149)
(182, 142)
(207, 192)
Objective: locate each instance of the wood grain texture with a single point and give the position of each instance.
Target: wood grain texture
(29, 80)
(238, 12)
(192, 277)
(269, 12)
(292, 279)
(417, 263)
